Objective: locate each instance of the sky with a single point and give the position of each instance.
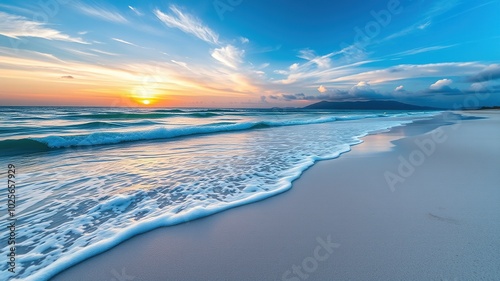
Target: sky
(242, 53)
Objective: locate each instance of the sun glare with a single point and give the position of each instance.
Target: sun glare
(146, 102)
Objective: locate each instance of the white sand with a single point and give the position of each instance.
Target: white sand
(441, 223)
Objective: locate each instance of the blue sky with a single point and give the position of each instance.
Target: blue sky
(241, 53)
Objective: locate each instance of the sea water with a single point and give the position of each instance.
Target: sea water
(90, 178)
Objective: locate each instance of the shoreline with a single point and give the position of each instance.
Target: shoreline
(155, 252)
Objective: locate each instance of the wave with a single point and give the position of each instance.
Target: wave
(169, 110)
(18, 146)
(103, 125)
(94, 125)
(119, 116)
(102, 138)
(129, 116)
(194, 110)
(81, 126)
(10, 147)
(201, 114)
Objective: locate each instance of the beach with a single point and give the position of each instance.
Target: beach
(352, 218)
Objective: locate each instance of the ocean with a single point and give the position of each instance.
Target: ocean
(89, 178)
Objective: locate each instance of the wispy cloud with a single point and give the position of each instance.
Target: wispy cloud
(103, 52)
(100, 12)
(14, 26)
(344, 76)
(424, 25)
(437, 9)
(410, 71)
(407, 31)
(17, 10)
(124, 42)
(136, 11)
(471, 9)
(423, 50)
(441, 7)
(187, 23)
(29, 55)
(229, 55)
(320, 61)
(181, 63)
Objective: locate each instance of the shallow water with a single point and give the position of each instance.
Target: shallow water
(89, 178)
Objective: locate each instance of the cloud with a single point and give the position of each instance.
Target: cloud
(399, 88)
(423, 50)
(491, 72)
(187, 23)
(103, 52)
(360, 91)
(16, 26)
(407, 71)
(363, 90)
(244, 40)
(320, 61)
(424, 25)
(328, 96)
(440, 84)
(404, 32)
(290, 97)
(355, 51)
(136, 11)
(264, 65)
(67, 77)
(181, 63)
(322, 89)
(205, 81)
(124, 42)
(478, 87)
(438, 8)
(443, 87)
(482, 87)
(100, 12)
(229, 55)
(441, 7)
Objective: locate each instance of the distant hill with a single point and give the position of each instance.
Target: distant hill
(367, 105)
(490, 108)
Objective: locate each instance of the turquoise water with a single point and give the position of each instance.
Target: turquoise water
(90, 178)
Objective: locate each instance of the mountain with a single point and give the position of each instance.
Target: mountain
(367, 105)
